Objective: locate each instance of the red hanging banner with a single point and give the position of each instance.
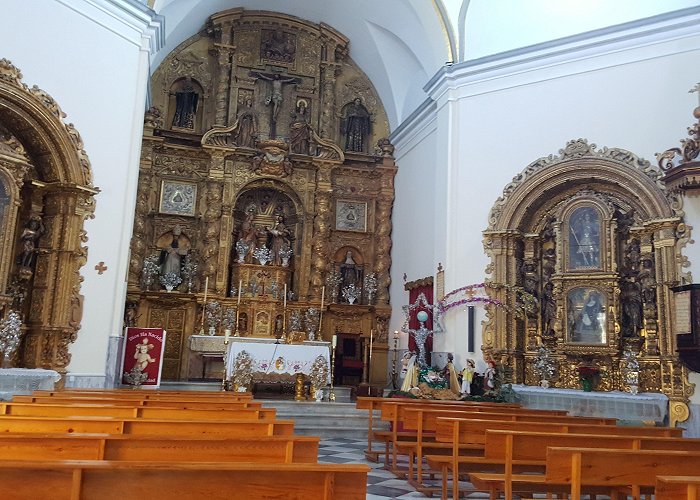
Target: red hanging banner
(142, 357)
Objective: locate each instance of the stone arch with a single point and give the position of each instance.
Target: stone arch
(641, 242)
(57, 186)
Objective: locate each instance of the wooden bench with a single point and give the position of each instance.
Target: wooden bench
(373, 404)
(74, 410)
(424, 420)
(511, 450)
(135, 426)
(273, 449)
(218, 405)
(677, 488)
(78, 480)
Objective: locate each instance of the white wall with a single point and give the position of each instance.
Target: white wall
(514, 24)
(98, 76)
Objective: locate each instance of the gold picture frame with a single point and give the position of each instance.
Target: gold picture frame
(351, 216)
(178, 198)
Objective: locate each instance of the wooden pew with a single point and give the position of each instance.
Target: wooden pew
(78, 480)
(677, 488)
(614, 469)
(462, 431)
(74, 410)
(373, 404)
(272, 449)
(135, 426)
(218, 405)
(145, 392)
(509, 450)
(394, 412)
(424, 420)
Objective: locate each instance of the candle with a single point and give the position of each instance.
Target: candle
(335, 341)
(285, 297)
(206, 288)
(240, 288)
(227, 334)
(323, 296)
(371, 341)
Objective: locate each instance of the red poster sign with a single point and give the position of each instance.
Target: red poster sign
(143, 354)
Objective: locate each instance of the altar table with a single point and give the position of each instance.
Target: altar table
(26, 380)
(273, 362)
(614, 404)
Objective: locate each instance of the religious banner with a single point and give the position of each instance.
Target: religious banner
(142, 357)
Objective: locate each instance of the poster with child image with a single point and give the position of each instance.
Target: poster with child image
(142, 357)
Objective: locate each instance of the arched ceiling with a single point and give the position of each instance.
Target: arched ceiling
(399, 44)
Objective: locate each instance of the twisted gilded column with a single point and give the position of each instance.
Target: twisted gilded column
(322, 220)
(382, 234)
(329, 76)
(224, 52)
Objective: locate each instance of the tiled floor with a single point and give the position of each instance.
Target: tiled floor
(381, 484)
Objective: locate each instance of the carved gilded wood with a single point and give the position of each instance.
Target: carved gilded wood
(54, 174)
(597, 239)
(268, 138)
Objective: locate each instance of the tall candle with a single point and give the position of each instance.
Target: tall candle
(206, 288)
(240, 288)
(285, 297)
(335, 341)
(371, 341)
(323, 296)
(227, 334)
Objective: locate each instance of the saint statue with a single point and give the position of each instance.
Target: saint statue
(185, 107)
(247, 131)
(278, 240)
(30, 235)
(171, 256)
(275, 97)
(355, 126)
(300, 130)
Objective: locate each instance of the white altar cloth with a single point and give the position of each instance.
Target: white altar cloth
(271, 360)
(25, 381)
(613, 404)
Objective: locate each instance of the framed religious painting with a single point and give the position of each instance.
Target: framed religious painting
(586, 309)
(584, 239)
(351, 216)
(178, 198)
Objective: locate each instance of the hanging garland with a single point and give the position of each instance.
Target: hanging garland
(525, 301)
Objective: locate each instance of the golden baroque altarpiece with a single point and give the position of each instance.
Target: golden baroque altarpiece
(264, 169)
(46, 194)
(596, 238)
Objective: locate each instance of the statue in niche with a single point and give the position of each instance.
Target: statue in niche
(277, 46)
(587, 313)
(247, 131)
(631, 299)
(300, 130)
(275, 96)
(278, 240)
(355, 126)
(350, 273)
(247, 236)
(584, 243)
(30, 235)
(185, 107)
(171, 257)
(549, 310)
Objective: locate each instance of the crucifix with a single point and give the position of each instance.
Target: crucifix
(275, 96)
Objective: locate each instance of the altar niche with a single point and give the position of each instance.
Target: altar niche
(597, 240)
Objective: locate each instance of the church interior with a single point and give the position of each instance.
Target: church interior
(311, 204)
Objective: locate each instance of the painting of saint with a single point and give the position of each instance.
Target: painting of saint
(586, 309)
(584, 239)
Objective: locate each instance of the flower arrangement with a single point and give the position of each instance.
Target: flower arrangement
(544, 366)
(151, 269)
(170, 281)
(10, 336)
(524, 301)
(350, 293)
(189, 272)
(370, 287)
(263, 255)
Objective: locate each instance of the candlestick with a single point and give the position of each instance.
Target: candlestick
(285, 297)
(240, 288)
(369, 367)
(320, 318)
(227, 334)
(335, 341)
(204, 306)
(238, 306)
(323, 296)
(206, 288)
